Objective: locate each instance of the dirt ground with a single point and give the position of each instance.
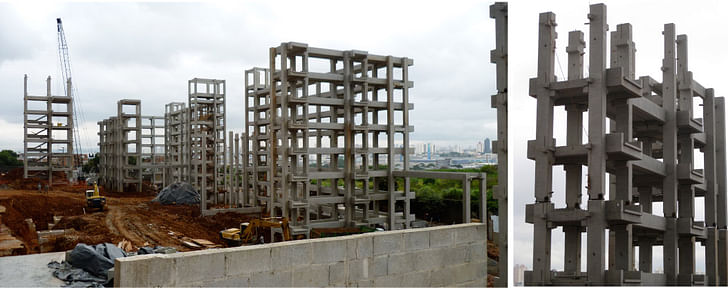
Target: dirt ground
(134, 218)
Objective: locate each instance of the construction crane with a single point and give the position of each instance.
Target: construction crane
(66, 73)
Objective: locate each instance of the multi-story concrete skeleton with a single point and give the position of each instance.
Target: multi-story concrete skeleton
(176, 128)
(206, 139)
(130, 149)
(648, 152)
(48, 133)
(324, 125)
(323, 146)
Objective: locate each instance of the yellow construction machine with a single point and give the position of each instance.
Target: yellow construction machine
(94, 200)
(252, 232)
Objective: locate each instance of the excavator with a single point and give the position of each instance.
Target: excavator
(94, 200)
(251, 232)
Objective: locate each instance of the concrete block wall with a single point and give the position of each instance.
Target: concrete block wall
(453, 255)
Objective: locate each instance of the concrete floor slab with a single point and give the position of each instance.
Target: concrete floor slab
(29, 270)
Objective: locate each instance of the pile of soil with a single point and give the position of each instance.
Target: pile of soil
(133, 218)
(186, 219)
(14, 179)
(89, 228)
(39, 207)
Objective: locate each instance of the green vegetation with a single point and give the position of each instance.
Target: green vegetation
(92, 165)
(9, 158)
(436, 195)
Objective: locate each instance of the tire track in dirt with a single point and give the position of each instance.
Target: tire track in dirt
(118, 225)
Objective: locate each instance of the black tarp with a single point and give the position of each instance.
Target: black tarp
(87, 266)
(178, 193)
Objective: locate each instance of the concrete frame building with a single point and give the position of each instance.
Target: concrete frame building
(152, 150)
(499, 56)
(206, 139)
(318, 113)
(176, 128)
(120, 148)
(48, 128)
(324, 129)
(131, 149)
(646, 157)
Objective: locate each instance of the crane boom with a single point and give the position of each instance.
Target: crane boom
(66, 73)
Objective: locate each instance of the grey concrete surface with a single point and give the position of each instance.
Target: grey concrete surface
(29, 270)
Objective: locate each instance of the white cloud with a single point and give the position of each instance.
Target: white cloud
(148, 51)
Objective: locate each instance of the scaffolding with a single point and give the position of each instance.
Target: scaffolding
(48, 133)
(646, 157)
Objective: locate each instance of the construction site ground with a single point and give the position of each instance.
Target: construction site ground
(127, 217)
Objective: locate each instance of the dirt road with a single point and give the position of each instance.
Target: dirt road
(133, 218)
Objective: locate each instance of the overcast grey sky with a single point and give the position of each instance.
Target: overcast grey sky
(149, 51)
(707, 56)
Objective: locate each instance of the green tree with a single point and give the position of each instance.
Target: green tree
(9, 158)
(92, 165)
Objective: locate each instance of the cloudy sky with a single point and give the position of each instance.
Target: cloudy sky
(149, 51)
(707, 57)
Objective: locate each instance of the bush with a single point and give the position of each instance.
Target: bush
(9, 158)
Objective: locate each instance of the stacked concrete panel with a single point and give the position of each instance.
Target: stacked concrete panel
(648, 154)
(48, 133)
(499, 56)
(206, 139)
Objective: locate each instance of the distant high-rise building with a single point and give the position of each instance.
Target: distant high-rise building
(429, 151)
(479, 149)
(486, 146)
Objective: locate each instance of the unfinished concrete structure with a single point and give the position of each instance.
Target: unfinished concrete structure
(499, 56)
(206, 139)
(196, 151)
(152, 150)
(326, 129)
(649, 153)
(130, 149)
(48, 133)
(176, 128)
(324, 124)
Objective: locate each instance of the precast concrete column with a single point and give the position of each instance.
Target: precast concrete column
(543, 145)
(669, 154)
(574, 131)
(711, 246)
(499, 11)
(622, 56)
(720, 176)
(597, 112)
